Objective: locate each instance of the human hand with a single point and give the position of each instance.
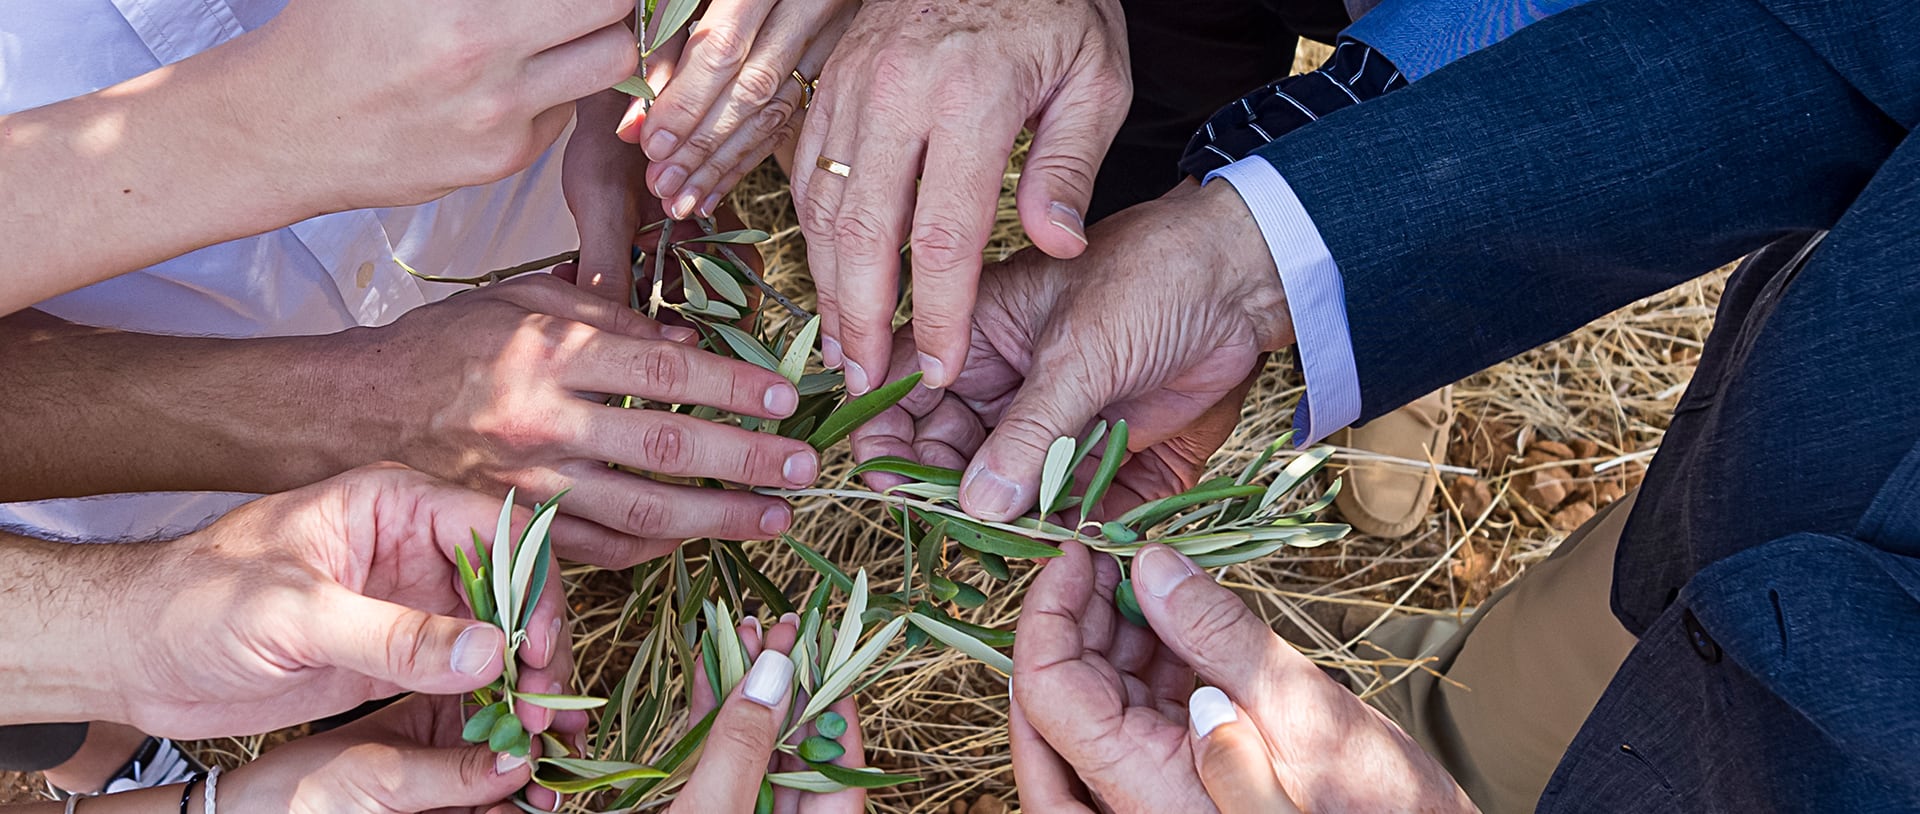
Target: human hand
(496, 389)
(604, 182)
(731, 99)
(776, 641)
(937, 91)
(308, 603)
(1162, 323)
(1102, 713)
(404, 759)
(422, 98)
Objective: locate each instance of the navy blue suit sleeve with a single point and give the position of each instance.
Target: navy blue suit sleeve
(1598, 156)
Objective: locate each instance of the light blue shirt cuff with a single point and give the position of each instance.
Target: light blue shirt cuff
(1316, 298)
(1420, 36)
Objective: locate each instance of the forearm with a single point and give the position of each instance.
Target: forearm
(59, 602)
(93, 411)
(148, 169)
(160, 800)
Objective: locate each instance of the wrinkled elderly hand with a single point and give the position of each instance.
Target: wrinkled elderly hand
(730, 98)
(936, 91)
(1163, 323)
(1101, 713)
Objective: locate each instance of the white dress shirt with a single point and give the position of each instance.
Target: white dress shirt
(315, 277)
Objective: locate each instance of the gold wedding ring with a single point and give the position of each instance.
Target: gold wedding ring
(806, 88)
(833, 166)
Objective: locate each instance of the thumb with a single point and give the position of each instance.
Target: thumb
(1069, 142)
(412, 649)
(1232, 759)
(1003, 481)
(742, 740)
(1209, 628)
(607, 216)
(436, 779)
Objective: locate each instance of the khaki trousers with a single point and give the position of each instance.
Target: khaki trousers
(1512, 684)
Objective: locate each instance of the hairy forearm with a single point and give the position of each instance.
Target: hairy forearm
(61, 603)
(92, 411)
(131, 175)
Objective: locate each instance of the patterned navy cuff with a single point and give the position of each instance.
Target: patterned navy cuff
(1354, 74)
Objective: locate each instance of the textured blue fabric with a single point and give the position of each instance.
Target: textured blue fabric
(1422, 35)
(1474, 217)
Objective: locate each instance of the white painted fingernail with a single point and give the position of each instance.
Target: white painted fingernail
(1208, 709)
(770, 679)
(1068, 219)
(752, 622)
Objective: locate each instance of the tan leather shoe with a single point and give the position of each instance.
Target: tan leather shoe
(1390, 499)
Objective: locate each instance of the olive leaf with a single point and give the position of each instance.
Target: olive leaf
(1055, 473)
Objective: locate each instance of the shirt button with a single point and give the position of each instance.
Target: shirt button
(365, 276)
(1703, 645)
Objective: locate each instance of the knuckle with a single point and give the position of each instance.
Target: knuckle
(721, 47)
(817, 221)
(744, 741)
(645, 513)
(665, 445)
(405, 641)
(941, 245)
(1213, 626)
(757, 84)
(859, 232)
(703, 143)
(662, 368)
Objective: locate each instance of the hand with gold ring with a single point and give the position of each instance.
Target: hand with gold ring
(1105, 716)
(733, 96)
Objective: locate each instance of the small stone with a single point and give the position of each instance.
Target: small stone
(988, 804)
(957, 807)
(1553, 449)
(1606, 492)
(1573, 516)
(1547, 488)
(1472, 495)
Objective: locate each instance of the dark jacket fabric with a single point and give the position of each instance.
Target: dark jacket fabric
(1605, 154)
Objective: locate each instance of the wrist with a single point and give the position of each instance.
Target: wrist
(1228, 243)
(67, 606)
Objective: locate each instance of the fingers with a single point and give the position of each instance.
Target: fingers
(1232, 758)
(845, 801)
(741, 740)
(1055, 401)
(671, 373)
(951, 225)
(547, 653)
(1043, 779)
(710, 62)
(426, 779)
(401, 646)
(654, 510)
(1069, 142)
(684, 446)
(1209, 628)
(869, 226)
(584, 66)
(577, 540)
(600, 180)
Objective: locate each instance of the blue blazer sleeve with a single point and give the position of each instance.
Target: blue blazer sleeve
(1598, 156)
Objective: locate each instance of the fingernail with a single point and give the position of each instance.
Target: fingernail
(936, 372)
(474, 651)
(1068, 219)
(989, 493)
(800, 469)
(707, 206)
(752, 622)
(670, 180)
(553, 637)
(776, 519)
(770, 679)
(856, 378)
(661, 145)
(634, 112)
(780, 401)
(505, 764)
(683, 207)
(676, 333)
(1159, 570)
(1208, 709)
(790, 618)
(830, 352)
